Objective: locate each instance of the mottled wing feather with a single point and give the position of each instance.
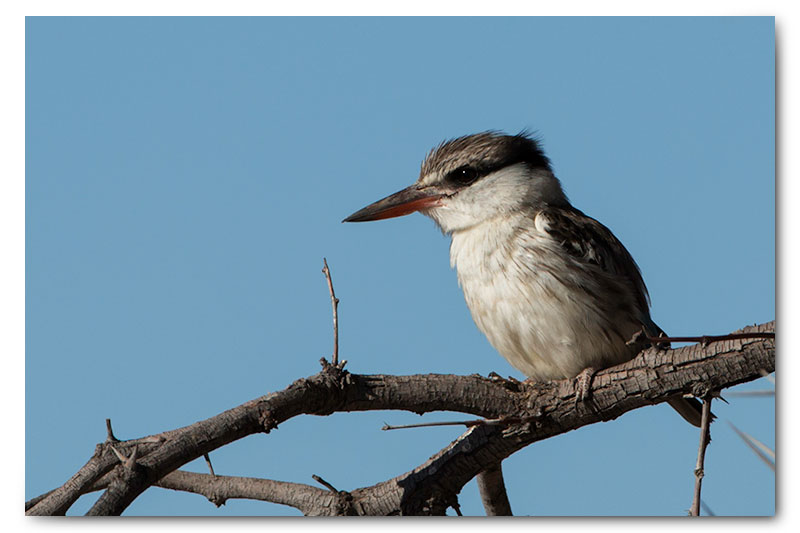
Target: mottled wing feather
(591, 243)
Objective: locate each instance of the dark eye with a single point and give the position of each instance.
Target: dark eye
(463, 176)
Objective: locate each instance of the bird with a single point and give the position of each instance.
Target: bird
(553, 290)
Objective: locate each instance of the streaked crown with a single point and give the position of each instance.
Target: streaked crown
(484, 152)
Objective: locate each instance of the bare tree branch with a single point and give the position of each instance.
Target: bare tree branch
(218, 489)
(493, 491)
(547, 409)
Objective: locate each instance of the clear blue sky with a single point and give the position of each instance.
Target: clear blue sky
(185, 178)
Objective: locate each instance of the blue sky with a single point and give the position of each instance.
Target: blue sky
(186, 176)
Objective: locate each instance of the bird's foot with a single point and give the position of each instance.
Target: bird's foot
(583, 385)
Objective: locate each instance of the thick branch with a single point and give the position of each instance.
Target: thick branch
(652, 377)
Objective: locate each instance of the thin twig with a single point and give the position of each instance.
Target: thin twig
(210, 466)
(705, 340)
(467, 423)
(324, 483)
(705, 438)
(335, 306)
(502, 421)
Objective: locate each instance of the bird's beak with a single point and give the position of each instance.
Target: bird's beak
(401, 203)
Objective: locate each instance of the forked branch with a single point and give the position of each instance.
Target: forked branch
(544, 410)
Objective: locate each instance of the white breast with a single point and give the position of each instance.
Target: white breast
(518, 288)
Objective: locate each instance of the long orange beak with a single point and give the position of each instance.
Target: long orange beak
(401, 203)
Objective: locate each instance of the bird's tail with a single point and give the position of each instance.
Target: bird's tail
(690, 409)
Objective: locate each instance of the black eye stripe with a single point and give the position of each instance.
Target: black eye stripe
(463, 175)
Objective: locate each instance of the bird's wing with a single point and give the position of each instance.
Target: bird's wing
(592, 245)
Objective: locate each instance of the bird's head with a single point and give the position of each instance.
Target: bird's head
(475, 178)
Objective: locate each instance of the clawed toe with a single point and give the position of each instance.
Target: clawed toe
(583, 385)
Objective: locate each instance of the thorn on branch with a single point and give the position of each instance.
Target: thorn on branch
(119, 454)
(110, 432)
(210, 467)
(127, 462)
(335, 307)
(131, 462)
(218, 501)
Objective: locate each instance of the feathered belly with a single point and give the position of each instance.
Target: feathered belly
(545, 328)
(548, 315)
